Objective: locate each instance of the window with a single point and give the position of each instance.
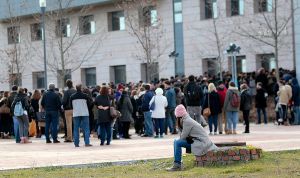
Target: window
(87, 25)
(211, 66)
(90, 76)
(15, 79)
(63, 28)
(38, 80)
(36, 32)
(13, 35)
(235, 7)
(116, 21)
(148, 16)
(266, 61)
(178, 12)
(210, 8)
(62, 83)
(240, 64)
(118, 74)
(263, 6)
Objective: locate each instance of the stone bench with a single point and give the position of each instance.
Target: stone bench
(228, 155)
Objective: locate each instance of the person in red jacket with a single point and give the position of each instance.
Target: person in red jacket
(222, 93)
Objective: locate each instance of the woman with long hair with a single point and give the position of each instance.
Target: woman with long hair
(5, 118)
(102, 102)
(35, 98)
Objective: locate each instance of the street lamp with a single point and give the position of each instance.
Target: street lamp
(233, 49)
(43, 9)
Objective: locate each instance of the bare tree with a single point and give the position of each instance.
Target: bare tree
(17, 55)
(63, 41)
(145, 25)
(269, 25)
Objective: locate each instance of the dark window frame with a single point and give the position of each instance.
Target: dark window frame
(62, 27)
(85, 27)
(13, 35)
(36, 32)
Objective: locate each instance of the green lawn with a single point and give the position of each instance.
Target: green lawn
(272, 164)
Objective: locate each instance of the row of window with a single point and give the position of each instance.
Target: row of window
(233, 7)
(266, 61)
(87, 25)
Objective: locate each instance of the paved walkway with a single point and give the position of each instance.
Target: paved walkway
(39, 154)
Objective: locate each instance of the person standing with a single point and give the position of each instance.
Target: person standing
(79, 105)
(170, 115)
(146, 110)
(212, 101)
(11, 98)
(35, 105)
(231, 107)
(102, 102)
(246, 105)
(222, 90)
(194, 98)
(284, 94)
(158, 113)
(296, 100)
(52, 104)
(261, 102)
(5, 118)
(126, 109)
(68, 111)
(20, 107)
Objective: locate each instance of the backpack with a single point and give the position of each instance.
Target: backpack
(18, 109)
(235, 100)
(194, 93)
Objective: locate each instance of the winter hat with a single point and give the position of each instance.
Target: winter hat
(180, 111)
(159, 91)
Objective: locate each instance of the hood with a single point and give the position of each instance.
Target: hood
(141, 93)
(221, 87)
(159, 91)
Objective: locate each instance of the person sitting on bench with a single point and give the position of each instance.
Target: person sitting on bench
(192, 136)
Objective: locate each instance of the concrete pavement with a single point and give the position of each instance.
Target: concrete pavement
(39, 154)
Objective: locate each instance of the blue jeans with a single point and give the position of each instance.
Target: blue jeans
(232, 118)
(170, 120)
(148, 123)
(83, 122)
(105, 132)
(178, 144)
(213, 119)
(51, 120)
(297, 115)
(159, 126)
(259, 117)
(16, 129)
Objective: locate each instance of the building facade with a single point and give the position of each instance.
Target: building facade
(101, 47)
(297, 36)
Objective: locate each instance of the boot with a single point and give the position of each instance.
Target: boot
(229, 132)
(234, 132)
(26, 140)
(175, 167)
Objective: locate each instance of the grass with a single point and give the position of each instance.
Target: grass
(272, 164)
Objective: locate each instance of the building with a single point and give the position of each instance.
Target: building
(104, 50)
(297, 36)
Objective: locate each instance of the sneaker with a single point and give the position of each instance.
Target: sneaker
(175, 167)
(161, 136)
(156, 136)
(88, 145)
(68, 141)
(76, 146)
(220, 133)
(48, 141)
(215, 133)
(210, 133)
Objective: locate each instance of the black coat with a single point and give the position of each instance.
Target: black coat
(103, 115)
(260, 99)
(246, 101)
(214, 103)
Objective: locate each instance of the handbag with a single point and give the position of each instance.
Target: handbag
(113, 112)
(152, 106)
(206, 111)
(4, 109)
(41, 116)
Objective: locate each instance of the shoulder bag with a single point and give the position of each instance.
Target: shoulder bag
(206, 111)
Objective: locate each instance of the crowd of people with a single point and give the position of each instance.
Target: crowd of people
(149, 108)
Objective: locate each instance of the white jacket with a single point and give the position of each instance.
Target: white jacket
(161, 103)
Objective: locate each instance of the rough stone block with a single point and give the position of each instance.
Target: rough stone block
(236, 158)
(231, 153)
